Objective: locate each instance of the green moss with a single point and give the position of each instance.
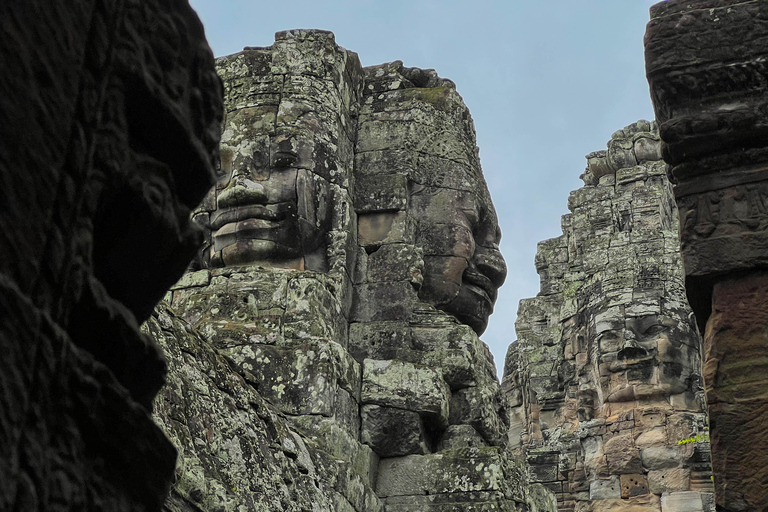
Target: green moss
(439, 97)
(570, 289)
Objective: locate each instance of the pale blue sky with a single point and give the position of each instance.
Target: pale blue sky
(546, 81)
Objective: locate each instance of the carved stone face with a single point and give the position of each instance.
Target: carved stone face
(415, 125)
(650, 356)
(271, 203)
(459, 235)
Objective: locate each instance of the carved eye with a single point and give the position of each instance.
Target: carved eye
(472, 217)
(284, 160)
(654, 329)
(608, 337)
(155, 193)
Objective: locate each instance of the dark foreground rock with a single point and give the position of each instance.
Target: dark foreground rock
(110, 123)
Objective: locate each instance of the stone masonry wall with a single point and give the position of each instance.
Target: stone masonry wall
(604, 381)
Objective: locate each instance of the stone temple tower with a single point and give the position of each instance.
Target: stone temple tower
(604, 381)
(324, 351)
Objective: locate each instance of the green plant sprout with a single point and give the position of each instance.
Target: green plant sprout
(699, 438)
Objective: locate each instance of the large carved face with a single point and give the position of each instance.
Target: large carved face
(414, 124)
(459, 236)
(646, 357)
(271, 203)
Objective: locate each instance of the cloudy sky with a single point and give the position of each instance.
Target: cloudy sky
(546, 81)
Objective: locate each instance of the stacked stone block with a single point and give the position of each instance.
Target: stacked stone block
(431, 406)
(605, 377)
(273, 383)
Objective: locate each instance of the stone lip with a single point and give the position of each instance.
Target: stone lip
(272, 212)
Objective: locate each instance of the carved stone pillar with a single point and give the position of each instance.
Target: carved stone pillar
(707, 70)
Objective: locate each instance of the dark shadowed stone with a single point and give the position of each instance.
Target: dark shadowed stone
(706, 67)
(393, 432)
(111, 116)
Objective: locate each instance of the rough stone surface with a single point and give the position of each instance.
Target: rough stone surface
(705, 63)
(287, 153)
(286, 384)
(235, 451)
(330, 325)
(605, 377)
(110, 123)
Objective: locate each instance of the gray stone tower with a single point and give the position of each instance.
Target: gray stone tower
(604, 381)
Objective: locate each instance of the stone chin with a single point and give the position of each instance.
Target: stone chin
(472, 307)
(255, 251)
(470, 299)
(472, 303)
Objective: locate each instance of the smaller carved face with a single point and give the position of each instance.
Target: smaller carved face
(271, 204)
(255, 217)
(459, 235)
(649, 356)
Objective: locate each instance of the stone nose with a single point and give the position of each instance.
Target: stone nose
(490, 263)
(242, 191)
(631, 350)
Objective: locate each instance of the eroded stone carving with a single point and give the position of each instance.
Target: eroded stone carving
(605, 377)
(286, 153)
(419, 179)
